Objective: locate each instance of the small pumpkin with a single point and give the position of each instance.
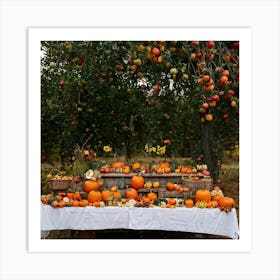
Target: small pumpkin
(131, 193)
(61, 204)
(212, 204)
(156, 184)
(172, 201)
(77, 196)
(152, 196)
(164, 165)
(167, 170)
(216, 197)
(106, 194)
(126, 170)
(136, 166)
(170, 186)
(117, 195)
(202, 195)
(94, 196)
(90, 185)
(83, 203)
(137, 182)
(118, 164)
(75, 203)
(189, 203)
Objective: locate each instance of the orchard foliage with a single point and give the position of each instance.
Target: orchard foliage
(129, 94)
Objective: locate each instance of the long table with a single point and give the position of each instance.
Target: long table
(196, 220)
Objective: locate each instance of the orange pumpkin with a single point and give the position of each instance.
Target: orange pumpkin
(117, 195)
(152, 196)
(146, 200)
(172, 201)
(212, 204)
(159, 170)
(137, 182)
(167, 170)
(118, 164)
(54, 204)
(77, 196)
(202, 195)
(96, 204)
(61, 204)
(126, 170)
(94, 196)
(164, 165)
(226, 202)
(91, 185)
(131, 193)
(216, 197)
(105, 194)
(70, 195)
(186, 170)
(83, 203)
(189, 203)
(156, 184)
(170, 186)
(136, 166)
(75, 203)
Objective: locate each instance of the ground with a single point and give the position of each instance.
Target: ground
(229, 184)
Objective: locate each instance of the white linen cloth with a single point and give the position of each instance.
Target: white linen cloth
(210, 221)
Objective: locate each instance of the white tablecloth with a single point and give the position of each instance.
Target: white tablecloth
(211, 221)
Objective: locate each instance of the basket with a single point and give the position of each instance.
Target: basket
(194, 185)
(59, 185)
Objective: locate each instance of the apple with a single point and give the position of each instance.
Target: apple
(205, 105)
(61, 83)
(236, 45)
(195, 43)
(225, 117)
(166, 142)
(210, 44)
(107, 169)
(198, 55)
(52, 64)
(193, 56)
(216, 97)
(73, 123)
(231, 92)
(206, 173)
(173, 71)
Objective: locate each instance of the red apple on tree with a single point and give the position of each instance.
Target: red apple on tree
(210, 44)
(166, 142)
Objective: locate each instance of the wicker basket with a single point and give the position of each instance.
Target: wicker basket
(59, 185)
(194, 185)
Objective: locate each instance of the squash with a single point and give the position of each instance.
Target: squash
(90, 185)
(121, 183)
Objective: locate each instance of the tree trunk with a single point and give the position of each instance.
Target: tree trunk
(207, 144)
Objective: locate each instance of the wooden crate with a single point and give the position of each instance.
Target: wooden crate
(194, 185)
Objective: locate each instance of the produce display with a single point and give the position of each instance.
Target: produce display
(140, 192)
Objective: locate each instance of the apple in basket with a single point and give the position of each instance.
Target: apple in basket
(206, 173)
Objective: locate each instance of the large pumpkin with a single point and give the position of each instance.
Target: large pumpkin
(131, 193)
(202, 195)
(94, 196)
(91, 185)
(226, 202)
(137, 182)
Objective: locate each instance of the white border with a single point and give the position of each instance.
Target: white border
(36, 35)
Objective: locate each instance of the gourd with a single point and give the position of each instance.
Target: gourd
(121, 183)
